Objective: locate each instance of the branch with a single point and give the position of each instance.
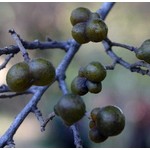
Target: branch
(7, 59)
(21, 47)
(36, 44)
(77, 138)
(8, 135)
(122, 62)
(105, 9)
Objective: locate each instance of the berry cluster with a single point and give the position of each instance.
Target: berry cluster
(87, 26)
(106, 121)
(22, 75)
(89, 79)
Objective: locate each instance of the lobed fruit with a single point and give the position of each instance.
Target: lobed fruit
(87, 26)
(110, 120)
(42, 71)
(78, 86)
(70, 108)
(143, 52)
(18, 77)
(22, 75)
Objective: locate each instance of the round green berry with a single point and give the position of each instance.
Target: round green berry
(95, 72)
(96, 30)
(71, 108)
(110, 120)
(80, 14)
(19, 77)
(78, 33)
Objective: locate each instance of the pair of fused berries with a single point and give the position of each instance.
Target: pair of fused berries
(71, 108)
(143, 52)
(87, 26)
(23, 75)
(89, 79)
(106, 121)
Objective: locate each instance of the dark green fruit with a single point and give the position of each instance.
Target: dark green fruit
(43, 72)
(96, 136)
(78, 33)
(70, 108)
(18, 77)
(110, 120)
(79, 15)
(96, 30)
(95, 72)
(94, 113)
(143, 52)
(94, 87)
(78, 86)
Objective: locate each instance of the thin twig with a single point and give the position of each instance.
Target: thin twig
(45, 122)
(7, 59)
(21, 47)
(77, 138)
(38, 115)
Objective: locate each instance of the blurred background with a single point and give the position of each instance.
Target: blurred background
(128, 23)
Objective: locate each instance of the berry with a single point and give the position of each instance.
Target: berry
(78, 86)
(96, 30)
(18, 77)
(79, 15)
(95, 72)
(43, 72)
(78, 33)
(110, 120)
(70, 108)
(94, 87)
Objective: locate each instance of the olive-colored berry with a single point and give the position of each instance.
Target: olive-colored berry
(94, 113)
(95, 72)
(110, 120)
(43, 72)
(78, 33)
(96, 136)
(18, 77)
(96, 30)
(80, 14)
(143, 52)
(94, 87)
(78, 86)
(71, 108)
